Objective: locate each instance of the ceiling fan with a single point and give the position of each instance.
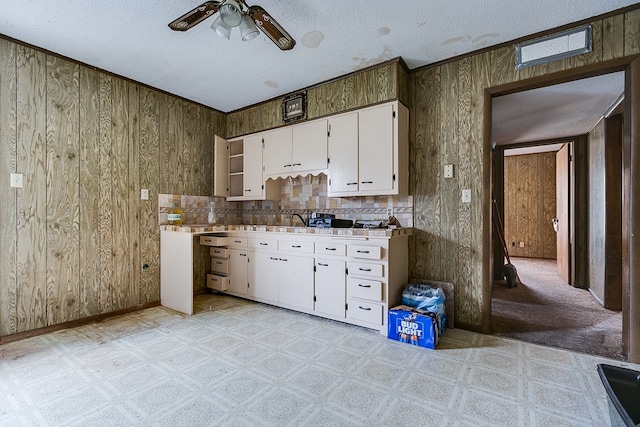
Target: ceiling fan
(236, 13)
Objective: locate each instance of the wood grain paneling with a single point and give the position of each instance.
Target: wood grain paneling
(105, 216)
(529, 183)
(612, 33)
(31, 154)
(8, 195)
(86, 141)
(89, 286)
(149, 174)
(63, 188)
(632, 32)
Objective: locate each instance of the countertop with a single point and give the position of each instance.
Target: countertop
(208, 228)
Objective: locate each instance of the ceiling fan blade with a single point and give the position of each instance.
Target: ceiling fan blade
(271, 28)
(195, 16)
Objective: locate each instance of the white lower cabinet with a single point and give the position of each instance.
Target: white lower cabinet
(330, 287)
(352, 279)
(263, 276)
(295, 281)
(238, 261)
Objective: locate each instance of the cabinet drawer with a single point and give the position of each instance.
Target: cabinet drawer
(369, 252)
(366, 289)
(270, 244)
(219, 252)
(331, 249)
(213, 240)
(365, 269)
(367, 312)
(219, 265)
(296, 246)
(237, 242)
(218, 283)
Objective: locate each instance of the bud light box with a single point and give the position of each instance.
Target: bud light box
(414, 326)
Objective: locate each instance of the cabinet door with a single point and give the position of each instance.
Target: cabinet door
(375, 151)
(277, 151)
(330, 287)
(343, 153)
(295, 281)
(220, 167)
(252, 160)
(309, 146)
(238, 271)
(263, 276)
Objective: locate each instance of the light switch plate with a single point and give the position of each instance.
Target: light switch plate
(17, 180)
(448, 171)
(466, 196)
(144, 194)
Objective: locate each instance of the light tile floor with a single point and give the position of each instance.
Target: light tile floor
(239, 363)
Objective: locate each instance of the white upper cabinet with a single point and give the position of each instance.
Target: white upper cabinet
(309, 151)
(381, 165)
(246, 181)
(343, 154)
(220, 167)
(277, 152)
(295, 150)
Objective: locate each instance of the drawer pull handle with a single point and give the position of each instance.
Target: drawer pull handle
(364, 269)
(329, 249)
(273, 258)
(364, 286)
(367, 182)
(243, 254)
(264, 244)
(323, 265)
(283, 259)
(237, 241)
(362, 252)
(218, 262)
(296, 246)
(297, 164)
(352, 183)
(286, 166)
(364, 308)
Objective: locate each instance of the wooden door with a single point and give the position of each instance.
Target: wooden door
(563, 252)
(220, 167)
(309, 150)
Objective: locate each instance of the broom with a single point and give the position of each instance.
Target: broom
(508, 270)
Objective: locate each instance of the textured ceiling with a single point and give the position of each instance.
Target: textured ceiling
(334, 38)
(567, 109)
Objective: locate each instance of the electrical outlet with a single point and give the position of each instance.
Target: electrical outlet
(144, 194)
(522, 244)
(448, 171)
(389, 211)
(466, 196)
(17, 180)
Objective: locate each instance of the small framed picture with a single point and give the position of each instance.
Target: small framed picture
(294, 107)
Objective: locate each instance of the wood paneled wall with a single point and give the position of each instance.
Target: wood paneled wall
(450, 238)
(374, 85)
(530, 204)
(73, 239)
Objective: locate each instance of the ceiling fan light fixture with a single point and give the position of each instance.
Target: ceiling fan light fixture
(221, 29)
(248, 29)
(231, 13)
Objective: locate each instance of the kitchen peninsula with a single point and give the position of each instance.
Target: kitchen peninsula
(349, 275)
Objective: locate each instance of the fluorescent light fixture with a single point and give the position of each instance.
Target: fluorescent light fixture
(552, 48)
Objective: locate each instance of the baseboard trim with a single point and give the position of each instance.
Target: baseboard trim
(75, 323)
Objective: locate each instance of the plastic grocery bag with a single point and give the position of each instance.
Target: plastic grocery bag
(425, 297)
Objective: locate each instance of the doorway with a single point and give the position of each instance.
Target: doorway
(543, 308)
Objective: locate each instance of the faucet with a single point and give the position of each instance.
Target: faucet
(301, 219)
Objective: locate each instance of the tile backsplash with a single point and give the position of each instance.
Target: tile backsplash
(300, 195)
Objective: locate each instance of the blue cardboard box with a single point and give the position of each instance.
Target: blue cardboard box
(414, 326)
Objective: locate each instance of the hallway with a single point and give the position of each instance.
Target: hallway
(546, 311)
